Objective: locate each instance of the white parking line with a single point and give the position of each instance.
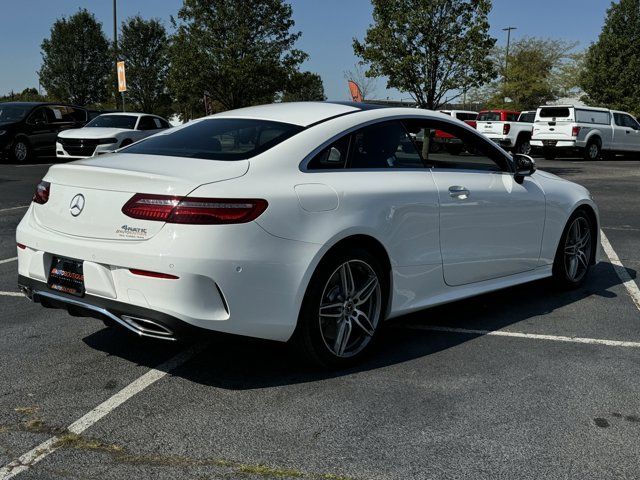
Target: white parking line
(46, 448)
(535, 336)
(11, 294)
(13, 208)
(622, 272)
(7, 260)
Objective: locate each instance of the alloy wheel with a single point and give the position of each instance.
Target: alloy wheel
(577, 249)
(20, 151)
(593, 151)
(350, 308)
(525, 148)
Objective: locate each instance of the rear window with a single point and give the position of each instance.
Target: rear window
(551, 112)
(489, 117)
(466, 116)
(218, 139)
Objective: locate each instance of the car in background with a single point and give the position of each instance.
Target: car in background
(449, 142)
(309, 222)
(588, 131)
(108, 132)
(29, 129)
(512, 135)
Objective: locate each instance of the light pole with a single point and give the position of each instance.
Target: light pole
(506, 57)
(115, 50)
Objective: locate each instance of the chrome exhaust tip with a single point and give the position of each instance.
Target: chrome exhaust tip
(146, 326)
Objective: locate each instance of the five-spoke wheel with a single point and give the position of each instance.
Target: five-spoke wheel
(342, 309)
(575, 252)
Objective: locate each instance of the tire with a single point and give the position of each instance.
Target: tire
(592, 151)
(454, 149)
(575, 252)
(549, 153)
(523, 146)
(20, 151)
(317, 335)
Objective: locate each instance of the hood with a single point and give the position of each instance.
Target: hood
(92, 132)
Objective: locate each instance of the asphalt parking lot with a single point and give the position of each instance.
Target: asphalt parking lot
(523, 383)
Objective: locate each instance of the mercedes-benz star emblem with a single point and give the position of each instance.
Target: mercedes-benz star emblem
(77, 205)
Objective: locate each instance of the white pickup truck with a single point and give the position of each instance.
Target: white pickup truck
(590, 131)
(512, 135)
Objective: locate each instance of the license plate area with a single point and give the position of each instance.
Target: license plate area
(549, 143)
(66, 276)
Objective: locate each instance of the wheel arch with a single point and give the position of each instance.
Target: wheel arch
(352, 240)
(595, 226)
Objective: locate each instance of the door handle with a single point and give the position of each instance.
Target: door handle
(456, 191)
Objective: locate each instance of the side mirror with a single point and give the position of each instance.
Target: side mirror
(525, 166)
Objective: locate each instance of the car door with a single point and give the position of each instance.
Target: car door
(490, 225)
(621, 133)
(38, 129)
(633, 133)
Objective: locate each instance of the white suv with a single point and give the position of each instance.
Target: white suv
(590, 131)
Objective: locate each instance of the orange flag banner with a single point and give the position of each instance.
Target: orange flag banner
(354, 89)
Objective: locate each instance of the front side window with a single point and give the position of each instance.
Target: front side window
(383, 145)
(38, 117)
(447, 146)
(127, 122)
(217, 139)
(630, 122)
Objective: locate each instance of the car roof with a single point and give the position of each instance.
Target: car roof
(579, 107)
(127, 114)
(39, 104)
(303, 114)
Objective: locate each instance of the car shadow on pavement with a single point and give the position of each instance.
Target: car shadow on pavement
(238, 363)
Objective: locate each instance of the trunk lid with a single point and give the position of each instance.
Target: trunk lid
(491, 128)
(554, 123)
(106, 183)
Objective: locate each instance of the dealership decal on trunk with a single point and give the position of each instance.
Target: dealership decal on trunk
(125, 231)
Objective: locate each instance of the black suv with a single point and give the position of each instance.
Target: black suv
(28, 129)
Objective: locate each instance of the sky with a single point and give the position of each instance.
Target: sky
(328, 28)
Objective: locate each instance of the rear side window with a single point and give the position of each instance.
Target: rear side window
(332, 157)
(489, 117)
(383, 145)
(555, 112)
(592, 116)
(217, 139)
(147, 123)
(528, 117)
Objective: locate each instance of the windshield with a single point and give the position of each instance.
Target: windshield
(489, 117)
(13, 113)
(114, 121)
(218, 139)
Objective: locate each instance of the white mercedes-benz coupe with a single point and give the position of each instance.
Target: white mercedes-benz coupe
(304, 222)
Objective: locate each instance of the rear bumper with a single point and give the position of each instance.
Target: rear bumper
(558, 143)
(235, 279)
(501, 140)
(141, 321)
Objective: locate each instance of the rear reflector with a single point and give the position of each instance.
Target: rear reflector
(146, 273)
(575, 131)
(197, 211)
(41, 195)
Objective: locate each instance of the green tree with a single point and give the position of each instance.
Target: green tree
(240, 51)
(144, 49)
(538, 71)
(27, 95)
(612, 64)
(76, 62)
(429, 48)
(304, 87)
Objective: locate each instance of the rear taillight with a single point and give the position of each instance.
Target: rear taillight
(21, 246)
(575, 131)
(506, 128)
(199, 211)
(41, 194)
